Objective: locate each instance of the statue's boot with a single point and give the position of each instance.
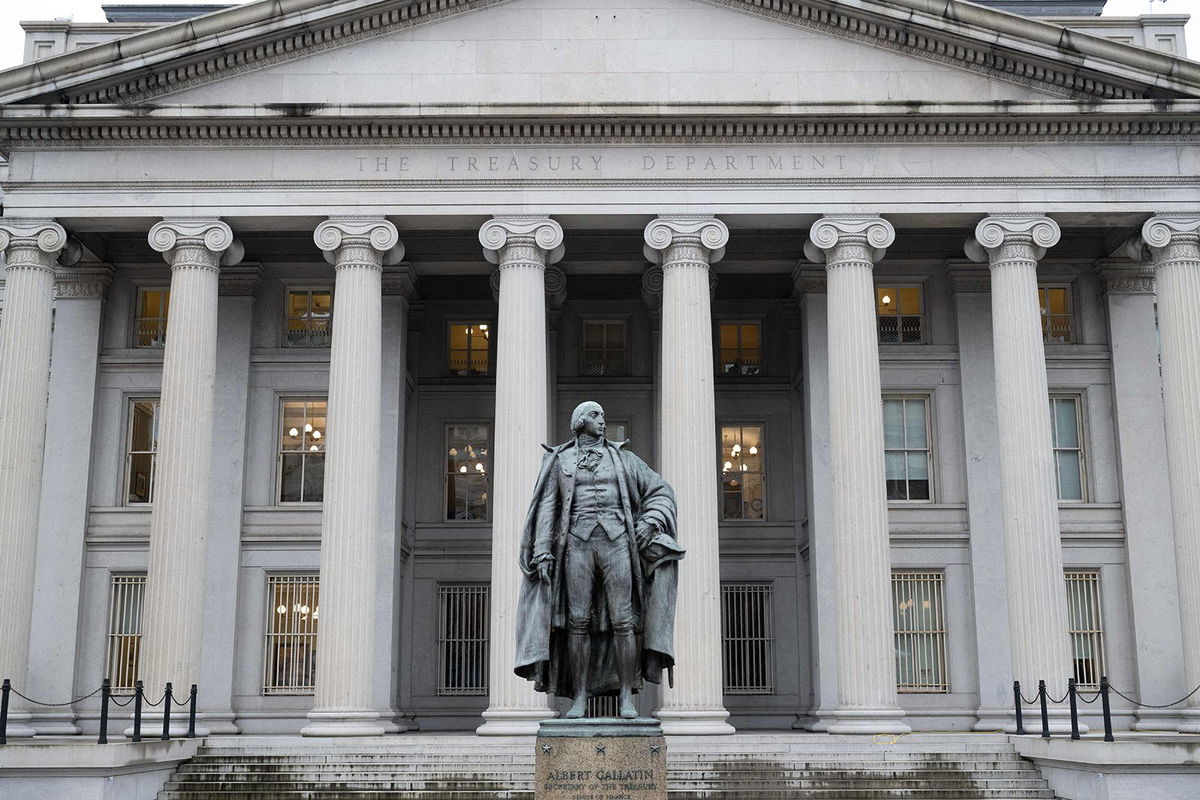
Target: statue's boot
(627, 665)
(578, 647)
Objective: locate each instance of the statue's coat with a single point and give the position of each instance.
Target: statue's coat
(542, 609)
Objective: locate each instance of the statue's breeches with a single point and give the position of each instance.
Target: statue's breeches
(607, 559)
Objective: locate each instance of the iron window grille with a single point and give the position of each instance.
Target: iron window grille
(1066, 436)
(1058, 317)
(907, 455)
(308, 320)
(747, 638)
(293, 616)
(900, 314)
(468, 348)
(463, 630)
(126, 600)
(918, 616)
(604, 347)
(740, 348)
(141, 451)
(1085, 626)
(302, 441)
(743, 473)
(467, 467)
(150, 321)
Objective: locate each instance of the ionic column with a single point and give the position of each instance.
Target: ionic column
(521, 247)
(1037, 596)
(686, 246)
(344, 703)
(850, 246)
(31, 249)
(1174, 243)
(173, 618)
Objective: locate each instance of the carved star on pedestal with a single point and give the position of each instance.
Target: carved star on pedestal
(654, 749)
(599, 749)
(546, 748)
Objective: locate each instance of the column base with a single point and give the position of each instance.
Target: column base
(55, 723)
(1191, 720)
(1159, 719)
(343, 723)
(152, 725)
(513, 721)
(819, 720)
(19, 725)
(221, 722)
(995, 719)
(698, 722)
(1058, 719)
(868, 721)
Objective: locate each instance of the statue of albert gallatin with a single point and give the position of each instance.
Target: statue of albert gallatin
(599, 558)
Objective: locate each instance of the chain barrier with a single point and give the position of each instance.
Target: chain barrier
(1187, 696)
(58, 705)
(1073, 696)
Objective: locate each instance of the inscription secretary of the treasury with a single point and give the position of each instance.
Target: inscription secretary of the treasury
(599, 559)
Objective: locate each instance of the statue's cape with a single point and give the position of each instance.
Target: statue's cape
(541, 611)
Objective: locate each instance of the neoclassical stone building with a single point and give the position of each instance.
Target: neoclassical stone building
(900, 295)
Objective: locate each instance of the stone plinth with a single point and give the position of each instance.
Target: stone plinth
(600, 759)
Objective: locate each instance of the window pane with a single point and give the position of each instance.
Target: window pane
(918, 489)
(918, 465)
(463, 632)
(893, 462)
(1066, 427)
(915, 427)
(593, 335)
(910, 299)
(885, 300)
(728, 336)
(467, 469)
(314, 477)
(322, 303)
(141, 472)
(747, 639)
(291, 483)
(291, 640)
(1070, 481)
(752, 496)
(919, 623)
(125, 631)
(893, 423)
(615, 335)
(143, 433)
(749, 334)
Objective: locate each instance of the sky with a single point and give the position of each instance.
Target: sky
(12, 38)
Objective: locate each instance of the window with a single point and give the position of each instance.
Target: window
(906, 454)
(604, 347)
(740, 351)
(469, 348)
(618, 430)
(467, 472)
(900, 313)
(291, 647)
(919, 619)
(141, 451)
(1085, 626)
(125, 630)
(309, 318)
(462, 640)
(742, 476)
(1066, 435)
(302, 451)
(150, 324)
(747, 638)
(1058, 320)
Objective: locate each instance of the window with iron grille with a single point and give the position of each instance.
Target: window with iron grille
(740, 350)
(908, 459)
(1085, 626)
(302, 439)
(468, 350)
(308, 320)
(747, 638)
(141, 450)
(126, 596)
(918, 615)
(604, 347)
(462, 639)
(1058, 318)
(293, 614)
(467, 468)
(150, 321)
(743, 477)
(900, 314)
(1066, 436)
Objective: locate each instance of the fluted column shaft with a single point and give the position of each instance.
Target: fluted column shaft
(1175, 244)
(521, 247)
(31, 250)
(1037, 597)
(344, 702)
(686, 246)
(173, 616)
(866, 660)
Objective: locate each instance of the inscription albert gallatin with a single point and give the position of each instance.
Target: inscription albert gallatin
(604, 784)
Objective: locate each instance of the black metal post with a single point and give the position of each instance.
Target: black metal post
(1108, 737)
(191, 734)
(166, 734)
(1074, 709)
(138, 694)
(1045, 713)
(1017, 706)
(105, 694)
(5, 688)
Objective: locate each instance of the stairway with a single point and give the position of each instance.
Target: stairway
(772, 766)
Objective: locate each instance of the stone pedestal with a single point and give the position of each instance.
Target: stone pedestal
(600, 759)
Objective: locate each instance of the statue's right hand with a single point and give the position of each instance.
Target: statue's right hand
(543, 569)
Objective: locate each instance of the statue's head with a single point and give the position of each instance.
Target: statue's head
(588, 417)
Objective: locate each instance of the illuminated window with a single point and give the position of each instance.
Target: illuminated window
(1085, 626)
(617, 430)
(140, 455)
(1066, 436)
(462, 639)
(467, 467)
(302, 437)
(740, 351)
(900, 313)
(150, 322)
(918, 616)
(309, 318)
(125, 630)
(604, 347)
(293, 613)
(907, 458)
(469, 348)
(747, 639)
(742, 475)
(1058, 320)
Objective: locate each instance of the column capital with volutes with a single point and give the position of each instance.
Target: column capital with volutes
(702, 231)
(518, 239)
(1164, 231)
(37, 244)
(346, 240)
(1032, 234)
(204, 242)
(830, 238)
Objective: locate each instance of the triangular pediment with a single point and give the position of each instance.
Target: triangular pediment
(431, 53)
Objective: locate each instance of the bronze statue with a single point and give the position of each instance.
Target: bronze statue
(599, 558)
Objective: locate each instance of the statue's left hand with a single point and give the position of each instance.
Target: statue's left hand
(543, 569)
